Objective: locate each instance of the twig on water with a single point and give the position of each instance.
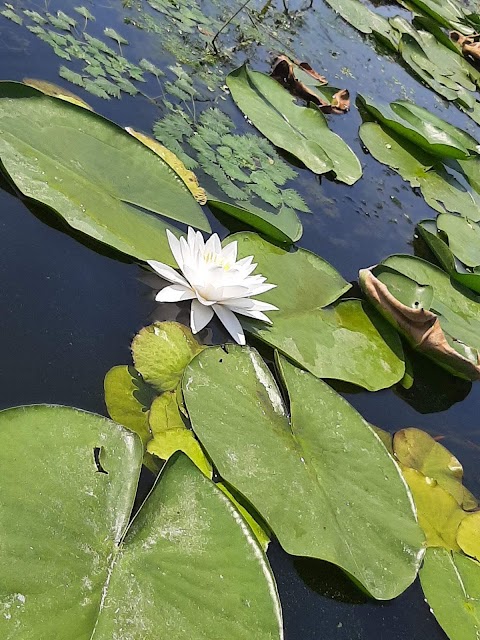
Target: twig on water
(225, 24)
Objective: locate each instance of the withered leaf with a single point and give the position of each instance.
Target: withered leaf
(470, 45)
(420, 326)
(283, 70)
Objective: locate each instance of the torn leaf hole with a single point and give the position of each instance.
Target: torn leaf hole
(97, 452)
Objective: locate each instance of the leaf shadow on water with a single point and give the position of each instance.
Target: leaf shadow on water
(434, 389)
(329, 581)
(54, 221)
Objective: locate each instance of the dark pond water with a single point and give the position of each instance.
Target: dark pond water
(70, 309)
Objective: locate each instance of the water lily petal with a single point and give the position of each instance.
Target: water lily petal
(200, 243)
(192, 274)
(230, 322)
(167, 272)
(187, 257)
(230, 252)
(175, 293)
(256, 315)
(252, 280)
(192, 238)
(229, 292)
(175, 248)
(244, 262)
(261, 288)
(200, 316)
(213, 244)
(251, 305)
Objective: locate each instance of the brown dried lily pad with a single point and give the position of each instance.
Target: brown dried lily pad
(470, 45)
(283, 70)
(419, 325)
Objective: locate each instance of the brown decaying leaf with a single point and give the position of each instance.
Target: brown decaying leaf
(470, 44)
(420, 326)
(308, 69)
(283, 72)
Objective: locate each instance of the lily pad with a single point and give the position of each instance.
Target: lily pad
(282, 226)
(416, 449)
(323, 481)
(128, 399)
(468, 535)
(438, 317)
(437, 242)
(463, 238)
(161, 352)
(344, 339)
(169, 433)
(51, 89)
(451, 584)
(302, 131)
(100, 179)
(441, 190)
(438, 512)
(188, 177)
(445, 71)
(448, 13)
(366, 21)
(422, 128)
(70, 568)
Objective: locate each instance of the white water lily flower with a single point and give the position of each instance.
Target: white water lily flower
(214, 281)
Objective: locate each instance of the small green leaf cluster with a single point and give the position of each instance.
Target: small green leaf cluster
(243, 165)
(105, 72)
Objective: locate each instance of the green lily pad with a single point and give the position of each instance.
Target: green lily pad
(463, 238)
(440, 189)
(92, 173)
(428, 230)
(416, 449)
(323, 482)
(345, 341)
(169, 434)
(471, 170)
(302, 131)
(70, 567)
(283, 226)
(161, 352)
(448, 13)
(443, 322)
(451, 584)
(445, 71)
(366, 21)
(422, 128)
(468, 535)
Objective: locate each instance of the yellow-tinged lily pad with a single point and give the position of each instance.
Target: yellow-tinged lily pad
(438, 512)
(468, 535)
(188, 177)
(54, 90)
(169, 433)
(416, 449)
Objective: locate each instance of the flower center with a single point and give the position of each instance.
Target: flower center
(217, 259)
